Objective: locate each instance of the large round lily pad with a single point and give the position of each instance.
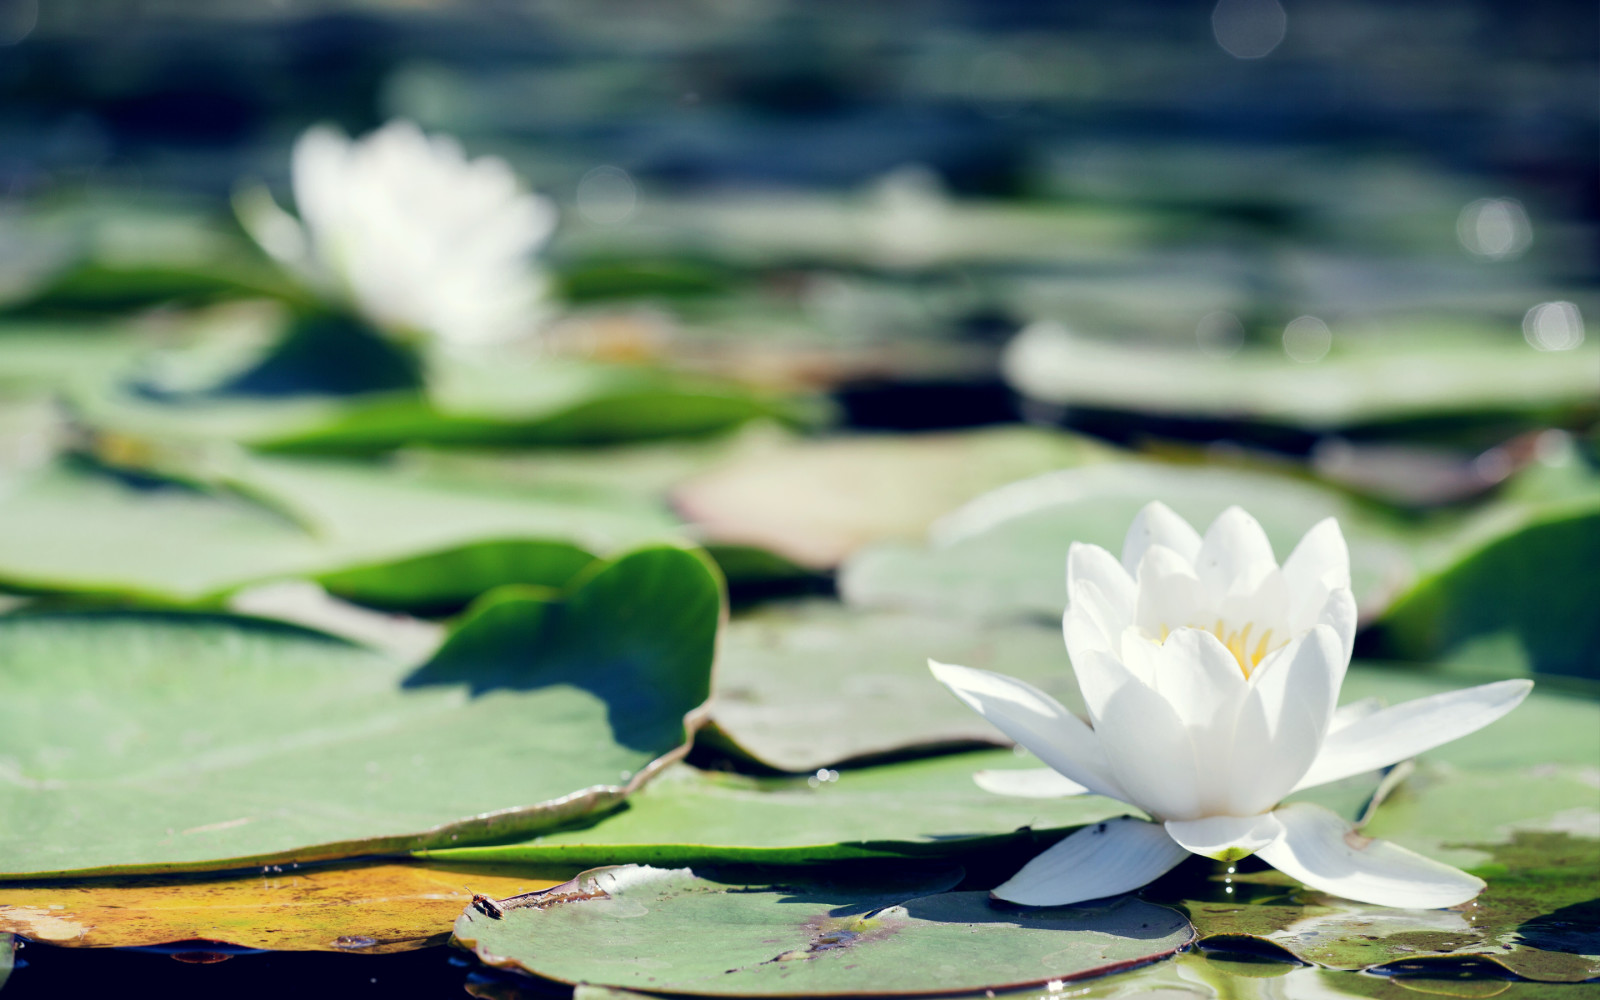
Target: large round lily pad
(153, 742)
(678, 931)
(1004, 554)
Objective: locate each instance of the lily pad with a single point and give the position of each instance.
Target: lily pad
(814, 684)
(1004, 554)
(1362, 381)
(77, 525)
(551, 402)
(927, 808)
(1530, 579)
(367, 909)
(816, 502)
(685, 932)
(150, 743)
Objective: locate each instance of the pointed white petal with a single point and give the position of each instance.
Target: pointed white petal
(1346, 714)
(1284, 721)
(1235, 553)
(1323, 851)
(1105, 859)
(1156, 524)
(1338, 612)
(1225, 838)
(1035, 720)
(1150, 752)
(1321, 557)
(1402, 731)
(1033, 783)
(1094, 565)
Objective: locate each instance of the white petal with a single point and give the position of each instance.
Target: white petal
(1035, 720)
(1156, 524)
(1225, 838)
(1320, 558)
(1099, 590)
(1193, 671)
(1285, 720)
(1150, 752)
(1323, 851)
(1092, 564)
(1033, 783)
(1338, 612)
(1099, 674)
(1394, 734)
(1346, 714)
(1169, 595)
(1105, 859)
(1235, 553)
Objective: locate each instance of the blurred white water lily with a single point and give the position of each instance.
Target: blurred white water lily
(1211, 675)
(404, 229)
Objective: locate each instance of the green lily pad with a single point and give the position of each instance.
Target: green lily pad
(679, 931)
(545, 401)
(81, 526)
(1362, 381)
(815, 502)
(1004, 555)
(925, 808)
(814, 684)
(156, 742)
(1530, 580)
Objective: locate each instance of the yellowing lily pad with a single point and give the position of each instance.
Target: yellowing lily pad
(703, 934)
(815, 502)
(368, 909)
(147, 742)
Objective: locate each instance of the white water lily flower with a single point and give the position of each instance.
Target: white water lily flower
(406, 230)
(1211, 675)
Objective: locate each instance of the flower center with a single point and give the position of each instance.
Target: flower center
(1238, 642)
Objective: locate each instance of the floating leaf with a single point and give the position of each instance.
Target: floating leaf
(1386, 379)
(77, 525)
(368, 909)
(813, 684)
(172, 742)
(926, 808)
(1004, 554)
(816, 502)
(1530, 579)
(680, 931)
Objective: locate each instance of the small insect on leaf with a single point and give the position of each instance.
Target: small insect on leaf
(486, 906)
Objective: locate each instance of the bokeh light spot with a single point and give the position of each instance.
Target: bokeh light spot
(1249, 29)
(1553, 326)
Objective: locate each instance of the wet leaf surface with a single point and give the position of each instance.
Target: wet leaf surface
(681, 931)
(367, 909)
(147, 742)
(1003, 555)
(1533, 834)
